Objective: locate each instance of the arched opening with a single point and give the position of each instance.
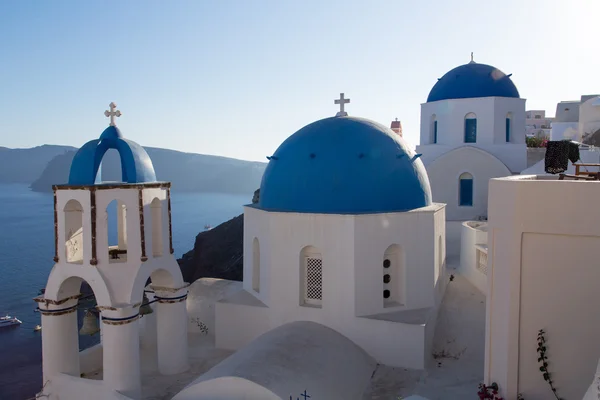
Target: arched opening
(470, 128)
(433, 130)
(110, 167)
(116, 228)
(508, 127)
(311, 277)
(73, 232)
(157, 231)
(394, 270)
(465, 190)
(255, 265)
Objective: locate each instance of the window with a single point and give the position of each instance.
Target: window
(540, 117)
(156, 215)
(311, 281)
(433, 130)
(466, 190)
(435, 124)
(255, 265)
(507, 127)
(393, 276)
(470, 128)
(73, 232)
(116, 230)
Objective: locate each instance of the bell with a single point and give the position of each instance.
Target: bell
(145, 307)
(90, 324)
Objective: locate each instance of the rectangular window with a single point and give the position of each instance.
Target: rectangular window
(313, 289)
(471, 130)
(466, 192)
(507, 130)
(434, 132)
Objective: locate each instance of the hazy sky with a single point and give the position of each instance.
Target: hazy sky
(235, 78)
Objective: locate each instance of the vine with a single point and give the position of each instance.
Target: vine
(543, 360)
(491, 392)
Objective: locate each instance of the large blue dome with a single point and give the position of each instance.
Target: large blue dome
(344, 165)
(473, 80)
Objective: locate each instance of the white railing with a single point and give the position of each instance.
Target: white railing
(481, 258)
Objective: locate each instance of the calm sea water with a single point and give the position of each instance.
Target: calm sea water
(26, 251)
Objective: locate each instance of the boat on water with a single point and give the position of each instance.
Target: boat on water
(7, 321)
(37, 328)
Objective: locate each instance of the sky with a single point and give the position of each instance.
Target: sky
(236, 78)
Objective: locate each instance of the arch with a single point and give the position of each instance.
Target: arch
(60, 286)
(116, 231)
(508, 127)
(166, 274)
(156, 216)
(470, 128)
(433, 130)
(394, 276)
(256, 265)
(111, 167)
(465, 191)
(311, 277)
(74, 237)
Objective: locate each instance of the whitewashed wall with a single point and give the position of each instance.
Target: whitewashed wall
(444, 174)
(473, 233)
(352, 250)
(542, 274)
(491, 115)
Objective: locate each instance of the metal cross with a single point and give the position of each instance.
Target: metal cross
(112, 113)
(341, 101)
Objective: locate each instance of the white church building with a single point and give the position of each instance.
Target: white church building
(472, 130)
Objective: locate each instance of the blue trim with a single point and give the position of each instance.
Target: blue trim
(56, 311)
(471, 130)
(170, 298)
(466, 192)
(120, 319)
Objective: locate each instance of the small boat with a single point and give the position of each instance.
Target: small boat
(207, 227)
(37, 328)
(7, 321)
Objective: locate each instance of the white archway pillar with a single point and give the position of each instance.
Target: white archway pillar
(171, 330)
(60, 339)
(121, 351)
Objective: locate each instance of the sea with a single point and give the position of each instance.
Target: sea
(26, 252)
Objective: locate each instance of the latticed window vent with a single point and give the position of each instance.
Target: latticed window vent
(314, 280)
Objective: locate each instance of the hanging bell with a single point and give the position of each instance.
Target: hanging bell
(90, 324)
(145, 308)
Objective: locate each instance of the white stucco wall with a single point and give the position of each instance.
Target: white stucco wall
(473, 233)
(66, 387)
(544, 239)
(352, 249)
(204, 293)
(491, 113)
(285, 362)
(565, 131)
(589, 116)
(445, 171)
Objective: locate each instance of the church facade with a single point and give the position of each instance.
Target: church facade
(472, 130)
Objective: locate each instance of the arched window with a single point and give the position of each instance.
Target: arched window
(393, 276)
(433, 130)
(156, 215)
(470, 128)
(508, 126)
(116, 230)
(73, 232)
(311, 277)
(465, 190)
(255, 265)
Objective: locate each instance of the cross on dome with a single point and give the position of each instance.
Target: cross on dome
(112, 113)
(341, 101)
(472, 62)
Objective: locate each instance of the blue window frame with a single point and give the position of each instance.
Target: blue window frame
(470, 130)
(465, 190)
(434, 132)
(507, 130)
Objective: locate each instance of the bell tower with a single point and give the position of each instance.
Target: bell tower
(114, 236)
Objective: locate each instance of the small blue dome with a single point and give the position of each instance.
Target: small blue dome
(136, 166)
(344, 165)
(473, 80)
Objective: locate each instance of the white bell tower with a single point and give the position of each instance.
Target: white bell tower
(116, 268)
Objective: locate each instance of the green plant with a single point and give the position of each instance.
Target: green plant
(543, 360)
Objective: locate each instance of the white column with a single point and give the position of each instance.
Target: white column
(60, 341)
(171, 330)
(121, 352)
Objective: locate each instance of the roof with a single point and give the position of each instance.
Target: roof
(136, 165)
(473, 80)
(344, 165)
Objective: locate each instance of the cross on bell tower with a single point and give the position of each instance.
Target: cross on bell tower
(112, 113)
(341, 101)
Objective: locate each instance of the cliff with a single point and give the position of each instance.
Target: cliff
(26, 165)
(217, 253)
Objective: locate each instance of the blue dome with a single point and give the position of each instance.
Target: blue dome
(473, 80)
(344, 165)
(136, 166)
